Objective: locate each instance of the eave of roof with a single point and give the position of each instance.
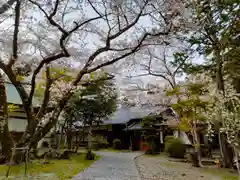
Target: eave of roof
(123, 115)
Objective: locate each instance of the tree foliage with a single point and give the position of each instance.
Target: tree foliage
(191, 107)
(94, 103)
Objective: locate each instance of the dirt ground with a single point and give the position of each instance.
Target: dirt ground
(164, 168)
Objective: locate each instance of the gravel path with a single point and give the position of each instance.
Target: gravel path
(111, 166)
(160, 168)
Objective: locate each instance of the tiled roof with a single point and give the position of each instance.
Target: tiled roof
(123, 115)
(13, 96)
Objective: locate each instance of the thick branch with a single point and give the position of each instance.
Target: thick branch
(37, 70)
(21, 90)
(46, 97)
(15, 34)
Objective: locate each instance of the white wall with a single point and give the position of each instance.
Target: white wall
(183, 136)
(18, 125)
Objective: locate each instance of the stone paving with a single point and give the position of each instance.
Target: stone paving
(160, 168)
(111, 166)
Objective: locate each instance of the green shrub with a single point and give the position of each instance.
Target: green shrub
(151, 144)
(169, 138)
(117, 144)
(95, 146)
(174, 147)
(99, 142)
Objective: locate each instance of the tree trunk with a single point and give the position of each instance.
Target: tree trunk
(76, 140)
(69, 140)
(32, 122)
(5, 137)
(78, 143)
(51, 122)
(236, 152)
(90, 138)
(62, 133)
(197, 145)
(225, 149)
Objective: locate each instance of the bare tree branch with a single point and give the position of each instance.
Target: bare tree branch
(168, 73)
(50, 17)
(130, 25)
(94, 8)
(132, 51)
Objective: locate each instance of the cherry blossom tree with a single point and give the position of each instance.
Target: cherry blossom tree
(47, 32)
(229, 107)
(5, 138)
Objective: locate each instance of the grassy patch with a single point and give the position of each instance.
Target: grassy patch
(63, 169)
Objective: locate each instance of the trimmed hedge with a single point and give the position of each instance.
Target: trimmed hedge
(174, 147)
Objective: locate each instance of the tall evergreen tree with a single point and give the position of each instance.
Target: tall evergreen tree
(93, 104)
(216, 39)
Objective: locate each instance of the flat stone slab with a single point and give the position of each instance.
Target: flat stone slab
(111, 166)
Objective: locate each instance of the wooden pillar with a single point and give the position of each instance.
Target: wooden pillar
(161, 136)
(130, 148)
(161, 139)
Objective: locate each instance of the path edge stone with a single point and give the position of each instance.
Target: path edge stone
(135, 162)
